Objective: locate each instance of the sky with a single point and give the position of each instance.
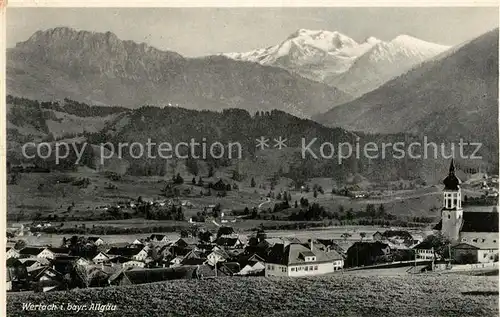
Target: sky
(204, 31)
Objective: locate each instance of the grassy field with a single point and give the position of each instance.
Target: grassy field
(43, 193)
(339, 295)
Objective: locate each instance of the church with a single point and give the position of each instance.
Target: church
(473, 234)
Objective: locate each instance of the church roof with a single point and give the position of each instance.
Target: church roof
(480, 222)
(451, 182)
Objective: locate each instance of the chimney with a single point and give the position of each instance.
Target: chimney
(312, 247)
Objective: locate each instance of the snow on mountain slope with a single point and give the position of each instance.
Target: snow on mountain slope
(338, 60)
(314, 54)
(384, 61)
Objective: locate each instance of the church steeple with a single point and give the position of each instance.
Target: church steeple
(451, 182)
(451, 214)
(452, 166)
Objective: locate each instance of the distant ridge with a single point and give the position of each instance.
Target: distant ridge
(99, 68)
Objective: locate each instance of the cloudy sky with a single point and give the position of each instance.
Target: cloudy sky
(203, 31)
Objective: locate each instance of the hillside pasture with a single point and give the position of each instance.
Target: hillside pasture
(336, 295)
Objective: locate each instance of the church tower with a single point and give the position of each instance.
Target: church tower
(452, 212)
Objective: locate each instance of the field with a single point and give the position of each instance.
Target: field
(243, 228)
(337, 295)
(46, 193)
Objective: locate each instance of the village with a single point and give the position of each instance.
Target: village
(461, 242)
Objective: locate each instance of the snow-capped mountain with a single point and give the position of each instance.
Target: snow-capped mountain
(314, 54)
(340, 61)
(384, 61)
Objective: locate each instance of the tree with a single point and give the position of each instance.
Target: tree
(439, 242)
(252, 183)
(261, 234)
(82, 275)
(20, 244)
(184, 233)
(381, 210)
(370, 210)
(362, 235)
(346, 235)
(204, 236)
(193, 181)
(178, 179)
(224, 231)
(315, 194)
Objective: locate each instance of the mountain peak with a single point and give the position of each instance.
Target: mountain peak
(407, 40)
(372, 40)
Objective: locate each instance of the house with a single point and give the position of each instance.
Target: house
(398, 237)
(256, 269)
(42, 252)
(177, 260)
(427, 254)
(252, 265)
(34, 263)
(377, 236)
(95, 241)
(297, 260)
(230, 242)
(329, 245)
(228, 269)
(128, 276)
(136, 254)
(17, 274)
(137, 243)
(8, 280)
(220, 185)
(100, 258)
(47, 279)
(65, 264)
(161, 238)
(470, 252)
(217, 255)
(194, 257)
(185, 242)
(12, 253)
(133, 263)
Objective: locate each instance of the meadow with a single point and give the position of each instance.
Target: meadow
(335, 295)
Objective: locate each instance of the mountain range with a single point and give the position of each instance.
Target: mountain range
(452, 96)
(340, 61)
(99, 68)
